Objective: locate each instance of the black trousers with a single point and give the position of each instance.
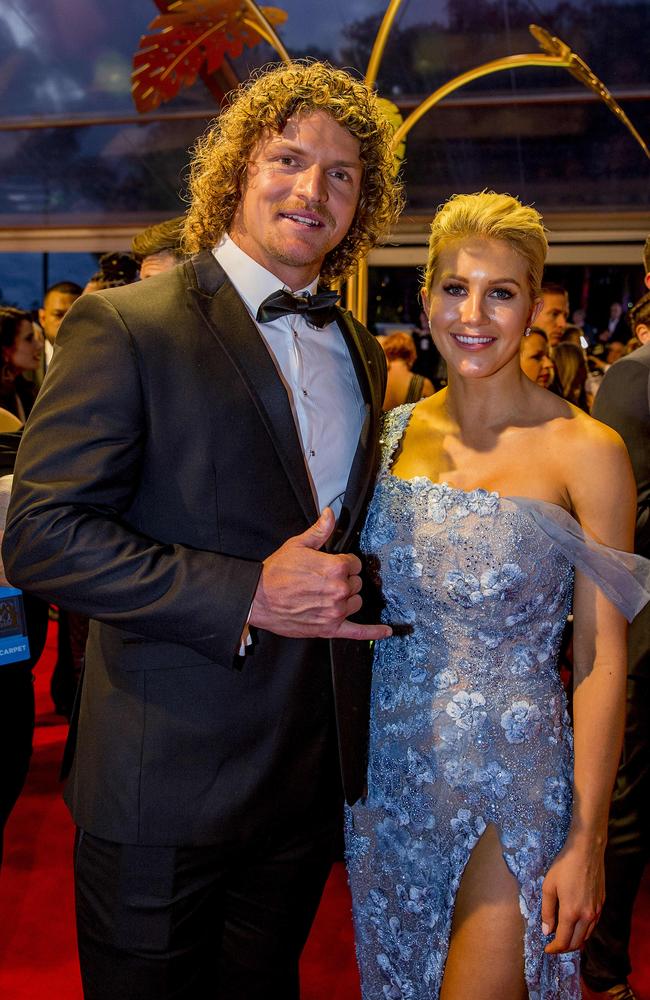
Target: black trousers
(188, 923)
(17, 712)
(606, 959)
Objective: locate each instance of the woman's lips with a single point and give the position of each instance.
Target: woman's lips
(470, 343)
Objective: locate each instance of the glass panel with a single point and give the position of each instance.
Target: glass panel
(560, 156)
(122, 172)
(74, 58)
(25, 276)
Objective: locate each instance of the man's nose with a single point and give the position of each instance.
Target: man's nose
(311, 184)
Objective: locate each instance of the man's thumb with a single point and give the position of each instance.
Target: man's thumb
(317, 534)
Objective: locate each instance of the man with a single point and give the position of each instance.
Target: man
(201, 420)
(617, 327)
(57, 301)
(554, 314)
(623, 402)
(646, 261)
(158, 248)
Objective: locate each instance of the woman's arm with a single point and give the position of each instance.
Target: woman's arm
(603, 494)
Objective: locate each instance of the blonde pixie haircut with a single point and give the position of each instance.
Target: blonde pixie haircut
(487, 215)
(263, 105)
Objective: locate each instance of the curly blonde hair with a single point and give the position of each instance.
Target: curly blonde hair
(490, 216)
(265, 103)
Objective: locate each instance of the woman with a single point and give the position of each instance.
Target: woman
(571, 373)
(534, 357)
(472, 873)
(402, 386)
(21, 348)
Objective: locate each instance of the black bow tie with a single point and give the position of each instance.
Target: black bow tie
(319, 310)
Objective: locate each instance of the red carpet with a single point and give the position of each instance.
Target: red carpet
(37, 949)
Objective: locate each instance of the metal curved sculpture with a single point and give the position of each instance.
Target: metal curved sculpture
(250, 17)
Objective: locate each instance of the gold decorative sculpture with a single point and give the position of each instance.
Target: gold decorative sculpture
(157, 78)
(195, 35)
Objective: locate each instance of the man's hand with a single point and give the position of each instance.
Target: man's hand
(306, 593)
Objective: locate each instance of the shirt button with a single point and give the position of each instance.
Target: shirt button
(312, 453)
(304, 392)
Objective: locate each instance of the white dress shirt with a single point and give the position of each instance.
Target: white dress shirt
(317, 373)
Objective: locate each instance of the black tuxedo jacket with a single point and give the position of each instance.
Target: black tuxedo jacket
(160, 466)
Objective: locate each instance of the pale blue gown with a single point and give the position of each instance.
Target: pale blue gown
(469, 723)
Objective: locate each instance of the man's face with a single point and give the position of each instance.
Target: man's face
(300, 197)
(553, 316)
(615, 352)
(54, 309)
(155, 263)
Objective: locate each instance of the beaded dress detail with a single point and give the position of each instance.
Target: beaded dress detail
(469, 723)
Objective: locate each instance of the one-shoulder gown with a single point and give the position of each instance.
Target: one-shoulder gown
(469, 723)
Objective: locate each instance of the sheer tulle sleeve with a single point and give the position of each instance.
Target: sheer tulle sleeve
(623, 577)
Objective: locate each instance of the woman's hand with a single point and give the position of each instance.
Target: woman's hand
(573, 893)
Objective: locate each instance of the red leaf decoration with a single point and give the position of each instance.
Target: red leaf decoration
(194, 35)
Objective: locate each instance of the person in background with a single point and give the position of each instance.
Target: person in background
(616, 350)
(199, 469)
(579, 319)
(571, 373)
(554, 314)
(22, 352)
(534, 357)
(402, 385)
(115, 269)
(17, 713)
(623, 402)
(158, 248)
(616, 329)
(56, 302)
(573, 335)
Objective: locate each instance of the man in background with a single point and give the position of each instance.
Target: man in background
(554, 314)
(623, 402)
(158, 248)
(57, 301)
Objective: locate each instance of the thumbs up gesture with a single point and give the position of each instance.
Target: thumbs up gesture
(306, 593)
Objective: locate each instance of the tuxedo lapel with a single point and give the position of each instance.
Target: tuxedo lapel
(364, 461)
(229, 322)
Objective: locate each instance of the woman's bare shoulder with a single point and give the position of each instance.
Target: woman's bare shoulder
(598, 474)
(589, 436)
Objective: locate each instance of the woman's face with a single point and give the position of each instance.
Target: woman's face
(478, 306)
(25, 352)
(535, 361)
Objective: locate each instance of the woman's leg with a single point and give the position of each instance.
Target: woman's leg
(486, 949)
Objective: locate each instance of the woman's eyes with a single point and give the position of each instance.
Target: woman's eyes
(502, 294)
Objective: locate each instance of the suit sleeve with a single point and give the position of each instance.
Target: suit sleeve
(623, 402)
(77, 473)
